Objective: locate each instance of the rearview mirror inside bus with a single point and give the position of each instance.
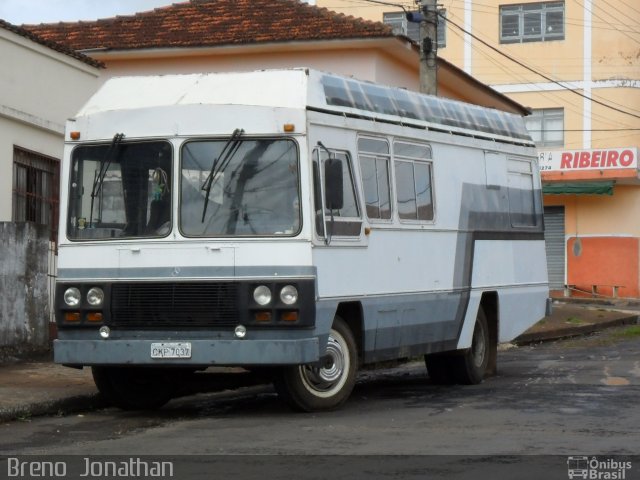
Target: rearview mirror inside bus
(334, 197)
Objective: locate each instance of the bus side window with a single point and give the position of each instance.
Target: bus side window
(374, 160)
(522, 206)
(317, 194)
(413, 178)
(346, 219)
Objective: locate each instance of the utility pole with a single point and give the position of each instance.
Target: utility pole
(428, 47)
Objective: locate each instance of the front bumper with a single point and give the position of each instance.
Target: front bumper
(204, 352)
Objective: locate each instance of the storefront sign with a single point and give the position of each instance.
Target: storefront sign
(597, 159)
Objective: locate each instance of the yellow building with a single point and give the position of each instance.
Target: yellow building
(576, 64)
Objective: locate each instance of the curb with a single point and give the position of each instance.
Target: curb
(53, 407)
(574, 331)
(616, 303)
(95, 401)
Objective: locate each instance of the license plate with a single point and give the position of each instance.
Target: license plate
(171, 350)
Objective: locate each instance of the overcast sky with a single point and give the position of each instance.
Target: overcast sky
(48, 11)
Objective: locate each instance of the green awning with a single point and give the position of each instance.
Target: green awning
(579, 188)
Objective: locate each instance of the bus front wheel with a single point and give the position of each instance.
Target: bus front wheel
(311, 388)
(136, 388)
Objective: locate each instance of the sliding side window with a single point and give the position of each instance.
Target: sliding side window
(374, 158)
(522, 206)
(413, 181)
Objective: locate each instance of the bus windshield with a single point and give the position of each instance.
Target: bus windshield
(255, 192)
(120, 190)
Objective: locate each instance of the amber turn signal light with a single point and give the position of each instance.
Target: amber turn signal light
(72, 317)
(94, 317)
(289, 316)
(263, 316)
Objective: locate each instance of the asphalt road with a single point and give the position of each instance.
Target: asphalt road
(548, 402)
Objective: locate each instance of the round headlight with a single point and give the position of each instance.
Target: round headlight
(240, 331)
(262, 295)
(289, 295)
(72, 296)
(95, 296)
(104, 332)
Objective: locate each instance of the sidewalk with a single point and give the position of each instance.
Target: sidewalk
(40, 387)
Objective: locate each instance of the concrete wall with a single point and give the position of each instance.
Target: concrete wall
(602, 240)
(24, 309)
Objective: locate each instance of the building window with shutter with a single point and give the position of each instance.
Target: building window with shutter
(532, 22)
(401, 26)
(546, 127)
(35, 189)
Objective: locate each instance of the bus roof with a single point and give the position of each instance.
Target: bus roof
(301, 88)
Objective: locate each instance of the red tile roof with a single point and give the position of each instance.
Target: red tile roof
(50, 44)
(208, 23)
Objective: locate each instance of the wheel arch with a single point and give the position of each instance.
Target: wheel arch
(488, 301)
(352, 314)
(490, 305)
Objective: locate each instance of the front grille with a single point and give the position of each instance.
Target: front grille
(189, 304)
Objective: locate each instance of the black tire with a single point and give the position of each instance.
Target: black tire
(312, 388)
(471, 367)
(467, 367)
(136, 388)
(439, 368)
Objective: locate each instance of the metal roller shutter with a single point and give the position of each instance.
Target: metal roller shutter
(555, 246)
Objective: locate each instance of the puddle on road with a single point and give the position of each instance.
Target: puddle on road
(615, 381)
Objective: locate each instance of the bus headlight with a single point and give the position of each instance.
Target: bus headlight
(289, 295)
(262, 295)
(72, 296)
(95, 297)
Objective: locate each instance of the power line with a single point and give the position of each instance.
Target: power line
(492, 9)
(609, 138)
(354, 4)
(553, 97)
(518, 62)
(598, 16)
(546, 77)
(613, 7)
(586, 130)
(388, 4)
(628, 6)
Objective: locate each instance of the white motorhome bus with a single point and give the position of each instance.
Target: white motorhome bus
(295, 220)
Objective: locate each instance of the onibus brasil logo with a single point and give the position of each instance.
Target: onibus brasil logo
(597, 469)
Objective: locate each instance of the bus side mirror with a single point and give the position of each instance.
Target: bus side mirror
(334, 197)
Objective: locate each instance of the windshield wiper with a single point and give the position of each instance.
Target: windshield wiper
(105, 163)
(219, 165)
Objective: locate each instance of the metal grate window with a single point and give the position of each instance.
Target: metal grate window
(532, 22)
(36, 195)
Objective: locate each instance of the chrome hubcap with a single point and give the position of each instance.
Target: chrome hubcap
(479, 345)
(325, 378)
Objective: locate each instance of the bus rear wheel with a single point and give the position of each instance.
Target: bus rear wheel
(136, 388)
(311, 388)
(471, 367)
(468, 367)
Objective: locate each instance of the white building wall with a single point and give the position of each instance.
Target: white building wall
(365, 64)
(39, 89)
